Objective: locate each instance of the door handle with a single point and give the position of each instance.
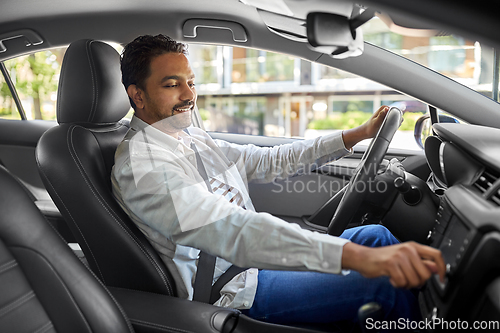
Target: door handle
(190, 26)
(31, 38)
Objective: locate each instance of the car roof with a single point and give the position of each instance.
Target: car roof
(60, 22)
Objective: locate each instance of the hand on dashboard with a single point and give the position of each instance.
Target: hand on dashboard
(408, 264)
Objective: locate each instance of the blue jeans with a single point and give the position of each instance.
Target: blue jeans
(288, 297)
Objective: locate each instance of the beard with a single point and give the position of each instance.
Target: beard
(171, 121)
(180, 120)
(174, 123)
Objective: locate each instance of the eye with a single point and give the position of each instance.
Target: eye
(170, 86)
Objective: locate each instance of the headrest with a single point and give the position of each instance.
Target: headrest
(90, 88)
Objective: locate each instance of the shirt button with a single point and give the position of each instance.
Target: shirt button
(325, 265)
(283, 260)
(246, 303)
(190, 158)
(251, 271)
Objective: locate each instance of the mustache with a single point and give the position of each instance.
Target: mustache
(181, 105)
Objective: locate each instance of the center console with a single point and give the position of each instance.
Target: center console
(467, 231)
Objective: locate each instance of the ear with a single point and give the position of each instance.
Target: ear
(136, 95)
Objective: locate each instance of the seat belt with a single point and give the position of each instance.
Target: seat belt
(222, 280)
(206, 262)
(203, 289)
(204, 277)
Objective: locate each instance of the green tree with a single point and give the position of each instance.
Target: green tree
(35, 76)
(5, 108)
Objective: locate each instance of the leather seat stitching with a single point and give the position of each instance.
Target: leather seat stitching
(62, 282)
(95, 92)
(8, 265)
(102, 203)
(42, 172)
(45, 328)
(17, 303)
(68, 139)
(125, 317)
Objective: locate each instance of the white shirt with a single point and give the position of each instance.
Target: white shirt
(156, 181)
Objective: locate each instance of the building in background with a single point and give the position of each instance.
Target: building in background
(256, 92)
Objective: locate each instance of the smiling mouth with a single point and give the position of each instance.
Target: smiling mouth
(183, 109)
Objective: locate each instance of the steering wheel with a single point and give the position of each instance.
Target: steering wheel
(356, 191)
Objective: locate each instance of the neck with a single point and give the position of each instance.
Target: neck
(161, 125)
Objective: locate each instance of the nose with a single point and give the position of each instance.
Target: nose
(188, 92)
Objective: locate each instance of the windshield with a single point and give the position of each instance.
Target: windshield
(467, 62)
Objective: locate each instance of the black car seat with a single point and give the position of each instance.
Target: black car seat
(43, 285)
(75, 160)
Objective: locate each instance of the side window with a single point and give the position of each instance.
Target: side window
(256, 92)
(35, 78)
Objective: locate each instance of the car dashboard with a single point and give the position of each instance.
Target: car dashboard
(465, 164)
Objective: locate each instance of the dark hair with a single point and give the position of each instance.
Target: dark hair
(137, 55)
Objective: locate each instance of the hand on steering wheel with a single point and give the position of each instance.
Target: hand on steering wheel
(365, 173)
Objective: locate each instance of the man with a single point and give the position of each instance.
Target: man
(187, 192)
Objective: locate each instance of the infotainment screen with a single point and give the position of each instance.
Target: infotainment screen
(454, 243)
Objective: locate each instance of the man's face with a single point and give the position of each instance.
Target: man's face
(169, 93)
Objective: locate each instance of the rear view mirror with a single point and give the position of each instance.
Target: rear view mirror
(336, 34)
(331, 31)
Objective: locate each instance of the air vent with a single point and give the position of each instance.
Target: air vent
(488, 185)
(495, 197)
(485, 181)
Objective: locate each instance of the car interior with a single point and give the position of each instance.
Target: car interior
(55, 175)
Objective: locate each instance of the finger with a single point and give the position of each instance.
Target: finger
(435, 256)
(414, 270)
(397, 278)
(431, 266)
(423, 268)
(381, 111)
(413, 266)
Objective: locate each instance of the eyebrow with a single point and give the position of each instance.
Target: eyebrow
(175, 77)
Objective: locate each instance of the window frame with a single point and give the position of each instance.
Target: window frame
(13, 91)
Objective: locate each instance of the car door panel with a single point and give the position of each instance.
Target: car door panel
(18, 140)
